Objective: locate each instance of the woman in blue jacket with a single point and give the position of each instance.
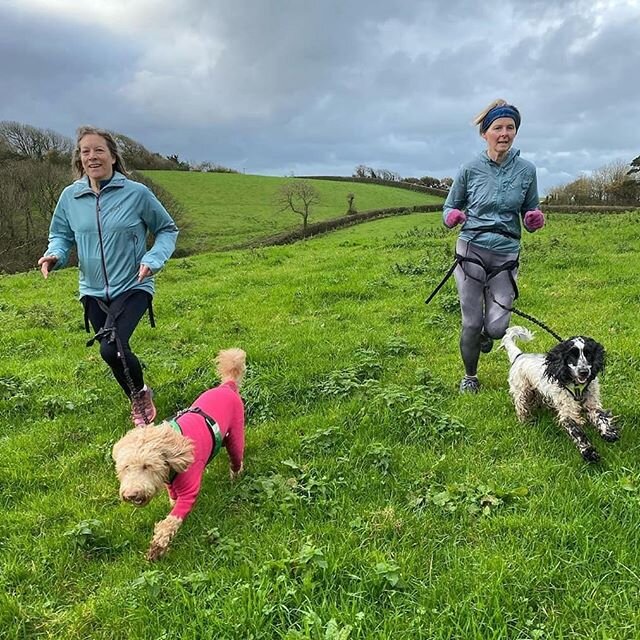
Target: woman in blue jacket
(108, 217)
(491, 197)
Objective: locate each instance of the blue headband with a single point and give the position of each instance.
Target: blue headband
(505, 111)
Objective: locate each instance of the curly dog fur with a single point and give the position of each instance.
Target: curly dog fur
(565, 379)
(147, 459)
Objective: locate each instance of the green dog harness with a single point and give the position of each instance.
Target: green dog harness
(212, 425)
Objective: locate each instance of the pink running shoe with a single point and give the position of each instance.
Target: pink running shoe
(143, 411)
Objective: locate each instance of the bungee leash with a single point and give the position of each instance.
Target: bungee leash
(509, 266)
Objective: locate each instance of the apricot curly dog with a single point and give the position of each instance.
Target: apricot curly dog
(175, 453)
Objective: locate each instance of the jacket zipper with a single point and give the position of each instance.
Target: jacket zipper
(104, 264)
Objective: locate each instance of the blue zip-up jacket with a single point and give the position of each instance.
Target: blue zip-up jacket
(494, 195)
(110, 232)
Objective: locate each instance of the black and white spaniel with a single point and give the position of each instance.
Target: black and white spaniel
(565, 378)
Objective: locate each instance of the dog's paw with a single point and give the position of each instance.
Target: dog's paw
(607, 427)
(234, 475)
(611, 435)
(590, 454)
(155, 552)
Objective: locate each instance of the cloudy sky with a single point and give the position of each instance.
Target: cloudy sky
(319, 86)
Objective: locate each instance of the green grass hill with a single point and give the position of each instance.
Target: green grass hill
(377, 502)
(225, 209)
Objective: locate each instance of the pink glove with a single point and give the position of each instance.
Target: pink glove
(534, 220)
(454, 217)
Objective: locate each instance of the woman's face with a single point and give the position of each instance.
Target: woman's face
(500, 136)
(96, 158)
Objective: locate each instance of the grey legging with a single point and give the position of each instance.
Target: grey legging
(479, 310)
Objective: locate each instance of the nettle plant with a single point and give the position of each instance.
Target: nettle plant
(476, 500)
(366, 366)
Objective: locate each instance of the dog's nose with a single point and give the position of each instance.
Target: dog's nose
(135, 497)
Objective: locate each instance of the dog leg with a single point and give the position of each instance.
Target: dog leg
(163, 534)
(524, 403)
(575, 432)
(234, 475)
(603, 421)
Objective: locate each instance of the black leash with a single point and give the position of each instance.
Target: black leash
(460, 259)
(507, 266)
(522, 314)
(109, 333)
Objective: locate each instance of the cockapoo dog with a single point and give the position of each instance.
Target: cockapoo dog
(565, 379)
(175, 453)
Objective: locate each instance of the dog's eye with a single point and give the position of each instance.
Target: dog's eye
(145, 467)
(574, 352)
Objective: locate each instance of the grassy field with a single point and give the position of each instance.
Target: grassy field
(224, 209)
(377, 502)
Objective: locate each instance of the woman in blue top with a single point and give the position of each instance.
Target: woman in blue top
(108, 217)
(490, 198)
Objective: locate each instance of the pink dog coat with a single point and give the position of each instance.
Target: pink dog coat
(225, 406)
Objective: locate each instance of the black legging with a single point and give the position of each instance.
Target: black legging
(132, 311)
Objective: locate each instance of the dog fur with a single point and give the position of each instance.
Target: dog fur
(565, 379)
(145, 458)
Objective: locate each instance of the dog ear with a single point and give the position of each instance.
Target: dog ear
(598, 356)
(177, 450)
(555, 367)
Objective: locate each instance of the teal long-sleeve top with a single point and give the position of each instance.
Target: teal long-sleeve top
(110, 232)
(494, 196)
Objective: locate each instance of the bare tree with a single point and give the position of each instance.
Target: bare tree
(610, 184)
(30, 142)
(297, 196)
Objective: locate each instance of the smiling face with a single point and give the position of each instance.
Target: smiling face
(500, 136)
(97, 161)
(575, 361)
(580, 359)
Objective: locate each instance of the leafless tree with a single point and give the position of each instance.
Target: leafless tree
(610, 184)
(31, 142)
(297, 196)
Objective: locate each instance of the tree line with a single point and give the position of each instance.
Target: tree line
(612, 184)
(364, 171)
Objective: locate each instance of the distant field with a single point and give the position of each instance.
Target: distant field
(378, 503)
(226, 209)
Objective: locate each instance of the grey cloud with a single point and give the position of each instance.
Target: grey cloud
(280, 86)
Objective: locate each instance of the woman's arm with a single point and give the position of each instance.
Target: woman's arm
(165, 232)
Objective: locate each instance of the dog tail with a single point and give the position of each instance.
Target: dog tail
(231, 365)
(509, 341)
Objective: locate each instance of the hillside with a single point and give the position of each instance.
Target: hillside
(223, 209)
(377, 502)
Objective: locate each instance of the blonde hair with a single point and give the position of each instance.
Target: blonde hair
(482, 115)
(112, 145)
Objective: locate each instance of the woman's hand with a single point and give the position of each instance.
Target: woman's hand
(46, 263)
(533, 220)
(144, 272)
(454, 218)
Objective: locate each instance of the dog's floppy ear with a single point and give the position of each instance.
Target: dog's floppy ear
(598, 356)
(555, 367)
(177, 450)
